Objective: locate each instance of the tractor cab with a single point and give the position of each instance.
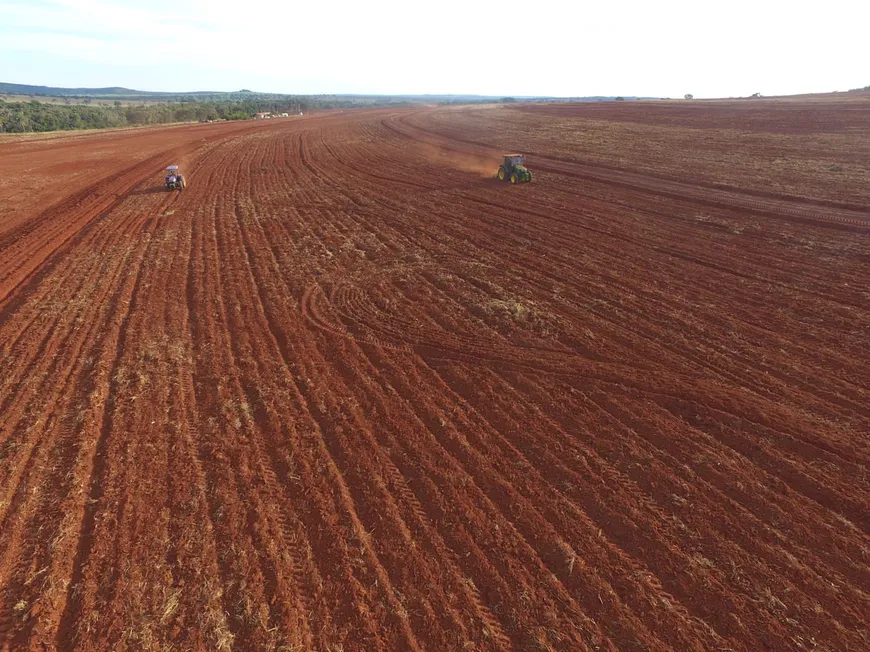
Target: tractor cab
(513, 169)
(513, 160)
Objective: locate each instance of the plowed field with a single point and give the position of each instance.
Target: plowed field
(349, 392)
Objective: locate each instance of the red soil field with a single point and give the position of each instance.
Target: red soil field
(349, 392)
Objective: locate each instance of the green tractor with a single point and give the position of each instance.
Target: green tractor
(513, 169)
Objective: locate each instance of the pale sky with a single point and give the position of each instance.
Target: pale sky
(487, 47)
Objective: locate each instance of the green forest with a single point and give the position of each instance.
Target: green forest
(35, 116)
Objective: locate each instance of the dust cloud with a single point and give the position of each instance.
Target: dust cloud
(482, 165)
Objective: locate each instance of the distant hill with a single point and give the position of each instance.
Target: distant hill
(117, 92)
(25, 89)
(121, 93)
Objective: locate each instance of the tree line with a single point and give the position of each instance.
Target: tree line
(20, 117)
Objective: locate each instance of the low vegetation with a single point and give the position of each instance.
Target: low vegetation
(35, 116)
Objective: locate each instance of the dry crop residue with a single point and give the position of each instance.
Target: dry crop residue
(345, 393)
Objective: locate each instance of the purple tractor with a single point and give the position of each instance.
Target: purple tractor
(174, 178)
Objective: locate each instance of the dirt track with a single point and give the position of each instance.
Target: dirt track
(348, 393)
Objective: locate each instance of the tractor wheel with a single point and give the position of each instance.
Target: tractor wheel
(181, 183)
(502, 173)
(529, 180)
(514, 177)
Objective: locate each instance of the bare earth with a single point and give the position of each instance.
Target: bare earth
(349, 392)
